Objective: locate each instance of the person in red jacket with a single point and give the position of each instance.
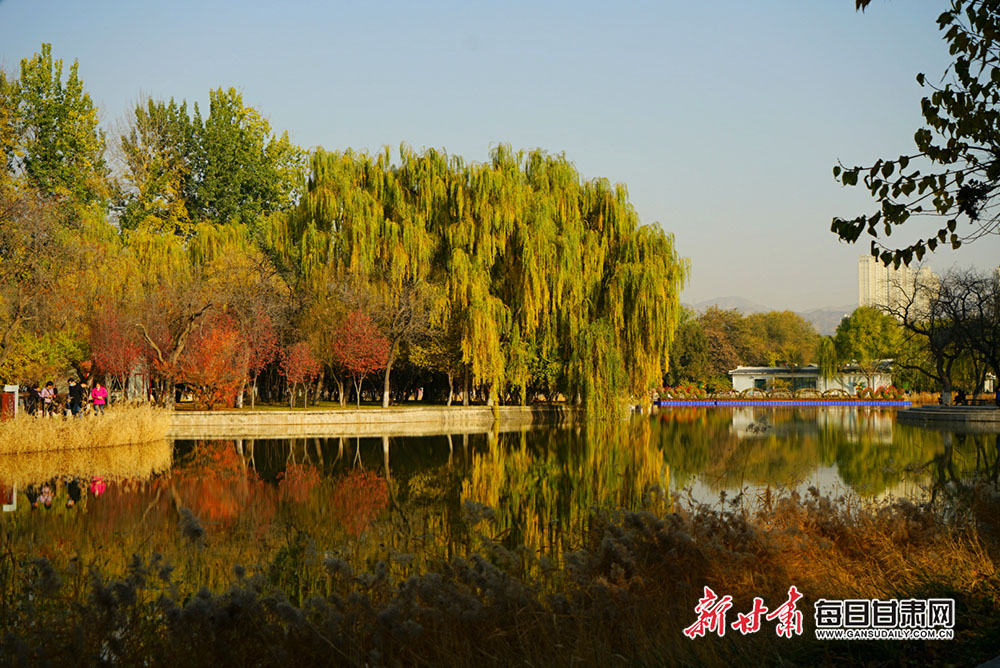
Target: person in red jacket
(99, 396)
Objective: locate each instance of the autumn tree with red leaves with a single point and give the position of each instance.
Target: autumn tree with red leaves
(261, 338)
(115, 346)
(215, 364)
(299, 366)
(360, 348)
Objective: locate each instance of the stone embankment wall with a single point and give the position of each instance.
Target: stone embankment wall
(984, 419)
(402, 421)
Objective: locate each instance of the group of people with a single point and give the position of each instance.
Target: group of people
(43, 495)
(48, 402)
(962, 399)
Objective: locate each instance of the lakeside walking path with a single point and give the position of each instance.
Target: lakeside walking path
(878, 403)
(393, 421)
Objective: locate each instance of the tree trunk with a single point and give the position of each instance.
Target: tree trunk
(291, 396)
(451, 387)
(358, 389)
(944, 374)
(341, 396)
(253, 393)
(946, 393)
(465, 390)
(168, 394)
(388, 370)
(319, 388)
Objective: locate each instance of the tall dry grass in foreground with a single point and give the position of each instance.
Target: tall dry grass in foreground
(621, 598)
(122, 424)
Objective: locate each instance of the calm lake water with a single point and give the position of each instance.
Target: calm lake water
(212, 504)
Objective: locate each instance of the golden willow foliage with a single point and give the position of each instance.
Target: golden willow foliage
(551, 281)
(546, 487)
(161, 258)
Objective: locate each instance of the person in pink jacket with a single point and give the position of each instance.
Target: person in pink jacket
(99, 396)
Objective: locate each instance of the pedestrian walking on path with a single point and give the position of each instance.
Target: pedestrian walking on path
(99, 396)
(76, 397)
(48, 393)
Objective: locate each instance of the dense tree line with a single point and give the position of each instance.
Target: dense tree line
(940, 335)
(710, 345)
(215, 253)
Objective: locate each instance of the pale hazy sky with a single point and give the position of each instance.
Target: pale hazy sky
(723, 118)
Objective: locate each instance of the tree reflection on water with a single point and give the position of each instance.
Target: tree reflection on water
(421, 500)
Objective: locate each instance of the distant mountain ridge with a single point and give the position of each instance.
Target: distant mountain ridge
(824, 319)
(744, 306)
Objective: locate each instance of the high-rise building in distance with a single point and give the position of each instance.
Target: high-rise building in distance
(887, 287)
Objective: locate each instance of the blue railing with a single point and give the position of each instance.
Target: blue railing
(882, 403)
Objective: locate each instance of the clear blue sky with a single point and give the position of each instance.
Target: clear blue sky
(723, 118)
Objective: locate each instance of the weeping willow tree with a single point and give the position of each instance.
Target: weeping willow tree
(828, 360)
(362, 232)
(544, 282)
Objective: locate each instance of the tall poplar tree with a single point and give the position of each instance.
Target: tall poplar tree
(157, 151)
(240, 169)
(228, 167)
(57, 142)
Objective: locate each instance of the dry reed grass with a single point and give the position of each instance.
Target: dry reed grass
(120, 425)
(632, 588)
(138, 461)
(934, 398)
(925, 398)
